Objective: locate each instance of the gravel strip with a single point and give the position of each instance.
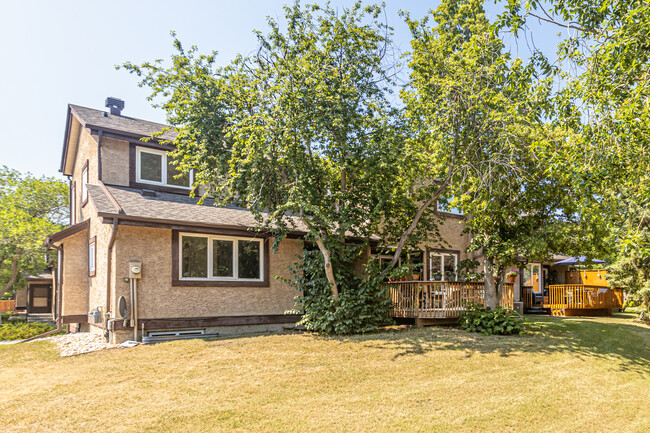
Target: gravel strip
(81, 342)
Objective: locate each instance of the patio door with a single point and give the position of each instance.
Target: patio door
(40, 298)
(536, 277)
(443, 266)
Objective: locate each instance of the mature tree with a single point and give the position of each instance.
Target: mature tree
(300, 132)
(477, 116)
(603, 112)
(30, 209)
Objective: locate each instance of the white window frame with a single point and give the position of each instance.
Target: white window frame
(163, 169)
(441, 255)
(451, 211)
(73, 204)
(210, 258)
(92, 257)
(84, 184)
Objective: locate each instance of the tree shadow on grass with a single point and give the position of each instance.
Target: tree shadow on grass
(615, 339)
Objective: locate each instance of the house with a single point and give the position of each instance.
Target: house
(38, 296)
(142, 259)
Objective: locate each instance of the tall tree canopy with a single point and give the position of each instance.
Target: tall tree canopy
(477, 121)
(603, 113)
(301, 132)
(30, 209)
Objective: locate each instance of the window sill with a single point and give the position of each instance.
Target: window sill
(217, 283)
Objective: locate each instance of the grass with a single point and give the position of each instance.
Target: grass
(564, 374)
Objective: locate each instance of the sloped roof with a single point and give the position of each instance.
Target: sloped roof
(165, 207)
(129, 125)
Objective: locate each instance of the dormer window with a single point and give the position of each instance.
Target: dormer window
(155, 168)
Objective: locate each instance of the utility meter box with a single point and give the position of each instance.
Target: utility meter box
(96, 316)
(135, 270)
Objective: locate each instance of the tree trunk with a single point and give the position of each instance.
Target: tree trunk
(14, 274)
(491, 299)
(329, 270)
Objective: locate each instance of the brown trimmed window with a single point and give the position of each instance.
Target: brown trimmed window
(443, 266)
(155, 167)
(84, 184)
(220, 258)
(92, 256)
(73, 203)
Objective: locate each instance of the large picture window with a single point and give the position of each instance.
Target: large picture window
(220, 258)
(154, 167)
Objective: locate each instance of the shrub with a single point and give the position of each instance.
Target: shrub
(19, 330)
(362, 306)
(491, 322)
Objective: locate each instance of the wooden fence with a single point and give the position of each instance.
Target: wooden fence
(579, 296)
(6, 306)
(440, 299)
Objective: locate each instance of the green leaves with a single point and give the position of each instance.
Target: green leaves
(30, 209)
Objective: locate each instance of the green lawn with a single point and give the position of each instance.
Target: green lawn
(564, 374)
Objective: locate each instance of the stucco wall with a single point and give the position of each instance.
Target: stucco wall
(87, 151)
(75, 275)
(115, 162)
(158, 299)
(97, 284)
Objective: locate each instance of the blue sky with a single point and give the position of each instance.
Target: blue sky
(60, 52)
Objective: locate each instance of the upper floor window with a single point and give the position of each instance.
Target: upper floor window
(154, 167)
(220, 258)
(73, 204)
(84, 184)
(444, 205)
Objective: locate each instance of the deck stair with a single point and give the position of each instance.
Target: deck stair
(39, 318)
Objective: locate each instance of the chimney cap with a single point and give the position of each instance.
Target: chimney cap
(115, 104)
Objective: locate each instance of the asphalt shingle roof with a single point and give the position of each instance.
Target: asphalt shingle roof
(105, 120)
(164, 206)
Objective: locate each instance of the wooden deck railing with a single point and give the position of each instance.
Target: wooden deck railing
(579, 296)
(529, 297)
(440, 299)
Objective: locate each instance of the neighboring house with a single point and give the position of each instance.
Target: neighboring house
(135, 233)
(38, 296)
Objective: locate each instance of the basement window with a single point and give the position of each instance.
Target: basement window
(220, 258)
(155, 167)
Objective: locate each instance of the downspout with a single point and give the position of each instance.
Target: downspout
(109, 260)
(59, 319)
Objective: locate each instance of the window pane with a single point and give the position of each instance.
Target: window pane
(222, 258)
(184, 180)
(450, 267)
(150, 166)
(436, 267)
(249, 259)
(91, 257)
(195, 257)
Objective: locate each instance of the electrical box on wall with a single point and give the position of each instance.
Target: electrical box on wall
(135, 270)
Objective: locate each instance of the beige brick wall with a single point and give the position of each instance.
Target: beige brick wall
(158, 299)
(87, 151)
(97, 284)
(75, 275)
(115, 162)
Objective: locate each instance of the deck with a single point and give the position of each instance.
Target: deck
(583, 300)
(440, 300)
